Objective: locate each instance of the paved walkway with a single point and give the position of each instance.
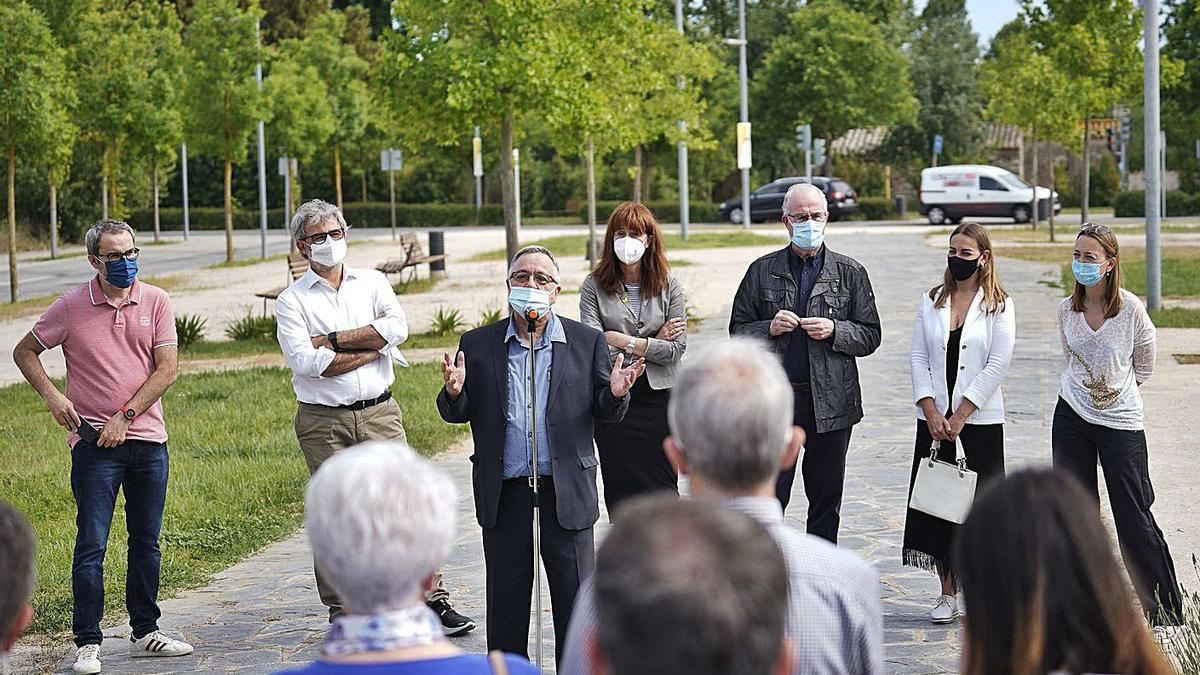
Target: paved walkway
(263, 613)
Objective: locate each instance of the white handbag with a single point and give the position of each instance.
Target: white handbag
(944, 490)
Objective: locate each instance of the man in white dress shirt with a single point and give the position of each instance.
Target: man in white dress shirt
(339, 328)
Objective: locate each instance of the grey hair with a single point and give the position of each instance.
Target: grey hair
(689, 587)
(314, 212)
(380, 520)
(105, 226)
(17, 572)
(533, 249)
(732, 413)
(795, 190)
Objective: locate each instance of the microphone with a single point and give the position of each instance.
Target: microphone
(531, 315)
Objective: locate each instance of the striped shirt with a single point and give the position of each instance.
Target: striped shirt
(835, 616)
(633, 295)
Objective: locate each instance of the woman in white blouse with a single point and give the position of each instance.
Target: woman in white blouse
(961, 346)
(1108, 344)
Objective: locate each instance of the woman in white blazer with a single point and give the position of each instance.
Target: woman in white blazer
(961, 346)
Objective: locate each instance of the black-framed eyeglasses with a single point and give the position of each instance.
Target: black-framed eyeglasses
(1095, 228)
(320, 237)
(820, 217)
(542, 280)
(131, 254)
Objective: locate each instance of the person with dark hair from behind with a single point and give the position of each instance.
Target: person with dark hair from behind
(1044, 589)
(17, 575)
(689, 588)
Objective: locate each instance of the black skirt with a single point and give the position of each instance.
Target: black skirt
(928, 540)
(632, 460)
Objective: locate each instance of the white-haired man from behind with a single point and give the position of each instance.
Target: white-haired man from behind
(732, 433)
(380, 520)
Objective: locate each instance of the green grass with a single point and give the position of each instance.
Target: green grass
(413, 286)
(550, 220)
(227, 349)
(237, 477)
(1176, 317)
(575, 244)
(38, 303)
(245, 262)
(431, 340)
(1063, 232)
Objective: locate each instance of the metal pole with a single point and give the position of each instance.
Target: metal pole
(1162, 174)
(392, 198)
(1152, 167)
(287, 192)
(808, 164)
(744, 107)
(534, 480)
(684, 207)
(187, 226)
(478, 183)
(1087, 171)
(517, 188)
(262, 160)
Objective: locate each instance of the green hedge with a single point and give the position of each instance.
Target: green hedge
(665, 212)
(1132, 204)
(875, 208)
(370, 214)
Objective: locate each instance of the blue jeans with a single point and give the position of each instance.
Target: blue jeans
(140, 468)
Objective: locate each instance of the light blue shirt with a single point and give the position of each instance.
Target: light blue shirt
(518, 439)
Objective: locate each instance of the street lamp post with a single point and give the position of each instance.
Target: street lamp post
(1152, 166)
(262, 161)
(684, 215)
(744, 107)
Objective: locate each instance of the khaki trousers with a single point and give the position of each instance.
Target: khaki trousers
(323, 431)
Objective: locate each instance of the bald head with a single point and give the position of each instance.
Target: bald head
(805, 198)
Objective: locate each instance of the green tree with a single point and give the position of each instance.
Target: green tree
(830, 67)
(221, 52)
(1181, 102)
(289, 19)
(33, 106)
(301, 117)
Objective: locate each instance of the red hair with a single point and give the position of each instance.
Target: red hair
(634, 219)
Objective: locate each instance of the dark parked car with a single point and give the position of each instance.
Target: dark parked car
(766, 203)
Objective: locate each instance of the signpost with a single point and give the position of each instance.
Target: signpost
(391, 160)
(804, 142)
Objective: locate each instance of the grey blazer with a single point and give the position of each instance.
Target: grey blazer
(608, 311)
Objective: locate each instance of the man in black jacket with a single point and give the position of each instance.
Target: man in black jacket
(573, 385)
(816, 309)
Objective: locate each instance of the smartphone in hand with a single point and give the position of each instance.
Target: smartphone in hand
(88, 432)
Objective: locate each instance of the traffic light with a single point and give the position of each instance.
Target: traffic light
(1126, 128)
(804, 136)
(818, 154)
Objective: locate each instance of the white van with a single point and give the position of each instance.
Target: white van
(951, 193)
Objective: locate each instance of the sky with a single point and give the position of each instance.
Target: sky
(987, 16)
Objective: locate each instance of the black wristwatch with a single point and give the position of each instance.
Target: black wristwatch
(332, 337)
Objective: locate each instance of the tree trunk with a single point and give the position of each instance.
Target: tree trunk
(591, 199)
(103, 194)
(53, 221)
(12, 222)
(647, 161)
(1033, 211)
(337, 173)
(154, 174)
(364, 186)
(507, 186)
(1087, 172)
(637, 174)
(1050, 200)
(228, 209)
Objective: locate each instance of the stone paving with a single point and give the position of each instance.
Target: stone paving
(263, 613)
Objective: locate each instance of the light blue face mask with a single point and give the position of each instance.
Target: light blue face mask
(808, 234)
(524, 300)
(1086, 273)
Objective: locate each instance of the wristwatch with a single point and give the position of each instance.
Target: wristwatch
(629, 347)
(128, 413)
(332, 337)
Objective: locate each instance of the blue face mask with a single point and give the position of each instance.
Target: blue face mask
(1087, 274)
(524, 299)
(808, 234)
(120, 273)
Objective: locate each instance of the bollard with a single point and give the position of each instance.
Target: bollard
(901, 205)
(437, 247)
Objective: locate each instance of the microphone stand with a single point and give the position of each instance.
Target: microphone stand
(531, 316)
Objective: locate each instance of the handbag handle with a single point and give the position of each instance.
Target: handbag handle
(960, 455)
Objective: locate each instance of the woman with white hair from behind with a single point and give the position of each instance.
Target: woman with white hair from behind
(380, 520)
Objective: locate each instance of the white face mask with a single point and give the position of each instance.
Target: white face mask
(332, 252)
(628, 250)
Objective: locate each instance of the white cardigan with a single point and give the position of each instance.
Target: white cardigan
(985, 348)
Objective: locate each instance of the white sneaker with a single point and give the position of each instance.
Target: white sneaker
(87, 660)
(158, 644)
(945, 611)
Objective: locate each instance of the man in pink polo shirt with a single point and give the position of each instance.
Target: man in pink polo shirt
(118, 337)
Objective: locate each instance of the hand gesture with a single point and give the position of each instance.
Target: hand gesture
(454, 373)
(622, 379)
(113, 433)
(784, 322)
(672, 329)
(818, 328)
(63, 412)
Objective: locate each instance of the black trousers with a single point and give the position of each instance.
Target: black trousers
(823, 468)
(1123, 458)
(568, 556)
(632, 460)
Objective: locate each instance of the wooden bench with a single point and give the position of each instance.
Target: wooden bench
(297, 266)
(412, 255)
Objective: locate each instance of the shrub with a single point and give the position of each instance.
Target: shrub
(876, 208)
(189, 329)
(665, 212)
(447, 322)
(1132, 204)
(252, 327)
(370, 214)
(490, 316)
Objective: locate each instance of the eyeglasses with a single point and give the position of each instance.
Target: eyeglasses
(1094, 228)
(538, 278)
(320, 237)
(801, 217)
(131, 254)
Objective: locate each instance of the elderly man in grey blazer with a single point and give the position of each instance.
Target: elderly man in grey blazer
(486, 384)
